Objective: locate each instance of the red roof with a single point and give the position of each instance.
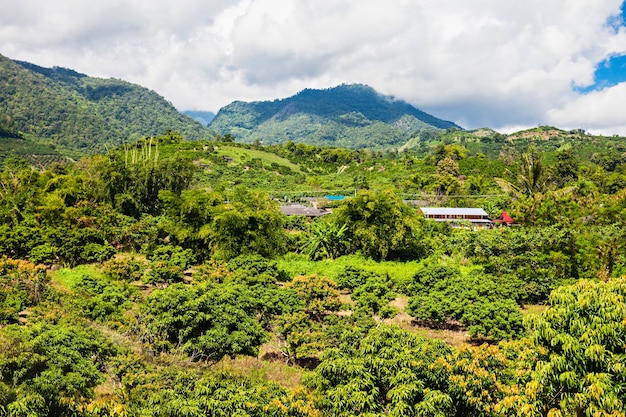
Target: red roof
(505, 218)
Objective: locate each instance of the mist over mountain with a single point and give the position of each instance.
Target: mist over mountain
(203, 117)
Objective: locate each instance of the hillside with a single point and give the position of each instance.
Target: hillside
(80, 114)
(163, 279)
(351, 116)
(204, 117)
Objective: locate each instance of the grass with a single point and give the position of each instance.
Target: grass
(264, 367)
(241, 154)
(299, 264)
(70, 277)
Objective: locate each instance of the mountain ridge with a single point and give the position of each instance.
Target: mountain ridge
(328, 117)
(83, 114)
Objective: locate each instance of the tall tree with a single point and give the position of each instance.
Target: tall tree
(531, 177)
(380, 225)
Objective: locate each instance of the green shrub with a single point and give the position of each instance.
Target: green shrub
(45, 253)
(124, 269)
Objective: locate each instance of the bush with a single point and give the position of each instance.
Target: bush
(45, 253)
(95, 252)
(164, 272)
(124, 269)
(248, 269)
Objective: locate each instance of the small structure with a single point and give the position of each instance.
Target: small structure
(504, 220)
(335, 197)
(301, 210)
(456, 216)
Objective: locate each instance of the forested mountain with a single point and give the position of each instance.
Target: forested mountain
(83, 114)
(204, 117)
(352, 116)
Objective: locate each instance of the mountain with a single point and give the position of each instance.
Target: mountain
(81, 114)
(351, 116)
(203, 117)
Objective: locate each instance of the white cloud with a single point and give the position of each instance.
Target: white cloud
(598, 111)
(480, 63)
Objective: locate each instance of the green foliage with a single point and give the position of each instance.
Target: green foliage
(45, 369)
(206, 321)
(255, 269)
(583, 333)
(485, 305)
(531, 177)
(320, 295)
(374, 293)
(379, 225)
(82, 114)
(250, 223)
(211, 208)
(102, 299)
(22, 284)
(124, 269)
(168, 264)
(326, 240)
(172, 392)
(534, 260)
(389, 372)
(351, 116)
(305, 330)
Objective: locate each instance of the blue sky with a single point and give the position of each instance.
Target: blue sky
(611, 71)
(499, 64)
(608, 73)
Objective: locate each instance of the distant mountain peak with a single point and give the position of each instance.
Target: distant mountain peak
(349, 115)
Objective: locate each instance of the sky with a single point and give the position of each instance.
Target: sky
(507, 65)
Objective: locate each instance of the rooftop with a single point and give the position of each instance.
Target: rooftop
(300, 210)
(452, 211)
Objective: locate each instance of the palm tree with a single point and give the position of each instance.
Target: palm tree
(531, 177)
(327, 240)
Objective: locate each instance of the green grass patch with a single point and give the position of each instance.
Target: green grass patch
(241, 154)
(296, 265)
(71, 277)
(533, 309)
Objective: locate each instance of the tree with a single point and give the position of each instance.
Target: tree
(388, 372)
(484, 304)
(250, 223)
(531, 176)
(47, 369)
(22, 284)
(583, 372)
(380, 225)
(566, 166)
(326, 240)
(302, 329)
(448, 166)
(207, 321)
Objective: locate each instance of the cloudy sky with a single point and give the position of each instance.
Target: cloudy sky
(502, 64)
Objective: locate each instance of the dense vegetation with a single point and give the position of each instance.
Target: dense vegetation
(77, 114)
(162, 279)
(350, 116)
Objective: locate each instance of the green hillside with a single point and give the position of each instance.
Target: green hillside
(351, 116)
(163, 279)
(80, 114)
